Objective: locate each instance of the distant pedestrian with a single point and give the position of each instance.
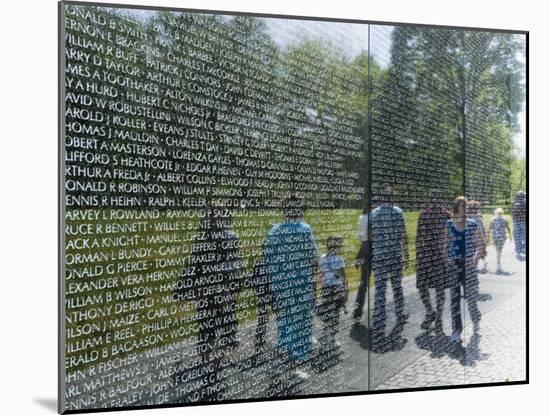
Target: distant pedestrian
(519, 217)
(497, 229)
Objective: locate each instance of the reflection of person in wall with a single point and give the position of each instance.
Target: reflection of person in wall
(497, 229)
(463, 240)
(363, 261)
(291, 258)
(519, 218)
(473, 211)
(212, 279)
(389, 257)
(334, 290)
(431, 260)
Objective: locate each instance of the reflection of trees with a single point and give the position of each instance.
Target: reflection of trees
(328, 114)
(302, 93)
(448, 100)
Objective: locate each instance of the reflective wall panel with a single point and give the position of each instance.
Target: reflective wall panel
(260, 207)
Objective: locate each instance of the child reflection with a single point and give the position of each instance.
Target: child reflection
(212, 279)
(497, 229)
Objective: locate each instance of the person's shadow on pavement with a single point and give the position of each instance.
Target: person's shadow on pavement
(473, 352)
(361, 334)
(440, 345)
(379, 344)
(437, 344)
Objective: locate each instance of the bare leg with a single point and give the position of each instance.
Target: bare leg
(499, 255)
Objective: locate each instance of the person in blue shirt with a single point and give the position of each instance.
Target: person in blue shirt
(389, 256)
(463, 244)
(290, 259)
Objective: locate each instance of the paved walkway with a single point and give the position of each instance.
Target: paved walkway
(414, 358)
(497, 355)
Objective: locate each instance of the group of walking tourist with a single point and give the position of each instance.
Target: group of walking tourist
(295, 283)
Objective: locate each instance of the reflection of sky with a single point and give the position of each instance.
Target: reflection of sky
(141, 15)
(350, 38)
(520, 139)
(380, 44)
